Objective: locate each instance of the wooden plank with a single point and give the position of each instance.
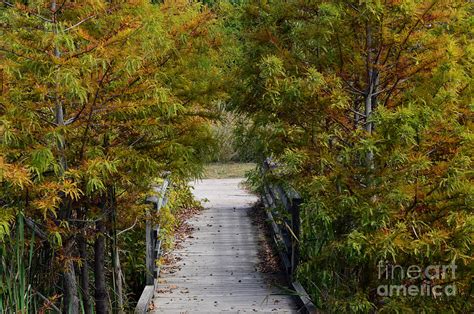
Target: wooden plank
(218, 266)
(278, 191)
(308, 304)
(278, 238)
(152, 246)
(293, 208)
(162, 194)
(259, 303)
(144, 301)
(149, 258)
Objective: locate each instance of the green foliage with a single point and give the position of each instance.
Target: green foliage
(96, 99)
(16, 294)
(366, 108)
(365, 105)
(180, 200)
(228, 149)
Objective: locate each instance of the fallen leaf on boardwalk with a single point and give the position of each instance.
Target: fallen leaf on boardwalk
(151, 306)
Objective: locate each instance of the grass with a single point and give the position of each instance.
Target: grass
(15, 292)
(227, 170)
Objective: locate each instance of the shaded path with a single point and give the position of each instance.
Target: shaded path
(218, 267)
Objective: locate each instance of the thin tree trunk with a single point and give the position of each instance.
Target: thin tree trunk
(369, 90)
(84, 275)
(101, 303)
(70, 288)
(372, 81)
(71, 299)
(118, 281)
(117, 274)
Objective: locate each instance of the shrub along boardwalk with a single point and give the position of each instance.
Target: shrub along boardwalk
(217, 267)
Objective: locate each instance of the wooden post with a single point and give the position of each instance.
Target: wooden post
(295, 226)
(149, 253)
(152, 245)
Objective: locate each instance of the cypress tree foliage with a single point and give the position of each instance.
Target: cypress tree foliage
(367, 104)
(97, 98)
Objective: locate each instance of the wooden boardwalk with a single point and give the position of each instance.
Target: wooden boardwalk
(217, 270)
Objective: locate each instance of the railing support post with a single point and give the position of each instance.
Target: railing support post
(295, 226)
(291, 255)
(149, 253)
(152, 244)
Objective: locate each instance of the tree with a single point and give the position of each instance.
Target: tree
(98, 98)
(366, 104)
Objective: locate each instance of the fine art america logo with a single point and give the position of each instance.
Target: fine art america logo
(432, 281)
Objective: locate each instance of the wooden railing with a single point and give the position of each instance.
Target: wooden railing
(283, 212)
(153, 246)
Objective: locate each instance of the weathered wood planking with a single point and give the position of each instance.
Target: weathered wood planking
(286, 234)
(218, 267)
(153, 247)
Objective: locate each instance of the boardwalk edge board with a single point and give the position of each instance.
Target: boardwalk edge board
(145, 298)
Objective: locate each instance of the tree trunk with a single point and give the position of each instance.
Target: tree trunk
(118, 280)
(84, 275)
(117, 274)
(370, 92)
(101, 300)
(71, 299)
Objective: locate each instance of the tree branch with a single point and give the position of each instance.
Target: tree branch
(35, 228)
(80, 22)
(11, 5)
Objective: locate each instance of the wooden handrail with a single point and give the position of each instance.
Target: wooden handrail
(153, 246)
(286, 233)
